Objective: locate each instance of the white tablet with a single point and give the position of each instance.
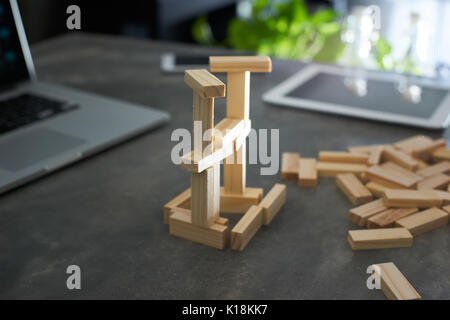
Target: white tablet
(322, 88)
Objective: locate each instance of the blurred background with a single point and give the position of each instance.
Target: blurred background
(405, 36)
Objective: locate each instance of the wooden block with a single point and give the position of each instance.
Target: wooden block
(425, 152)
(183, 200)
(396, 168)
(446, 209)
(444, 196)
(307, 175)
(438, 181)
(409, 144)
(411, 198)
(228, 130)
(391, 178)
(375, 156)
(402, 159)
(214, 236)
(204, 200)
(239, 203)
(394, 284)
(379, 238)
(331, 169)
(246, 228)
(290, 162)
(204, 83)
(420, 163)
(234, 171)
(238, 97)
(359, 215)
(346, 157)
(240, 63)
(424, 221)
(377, 189)
(441, 154)
(355, 191)
(387, 218)
(364, 149)
(273, 202)
(441, 167)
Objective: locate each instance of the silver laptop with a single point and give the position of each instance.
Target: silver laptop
(43, 126)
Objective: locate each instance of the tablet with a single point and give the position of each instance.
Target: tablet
(322, 88)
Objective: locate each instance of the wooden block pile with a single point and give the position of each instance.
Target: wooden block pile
(400, 190)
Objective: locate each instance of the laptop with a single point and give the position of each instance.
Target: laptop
(43, 126)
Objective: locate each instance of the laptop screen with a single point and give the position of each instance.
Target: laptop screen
(12, 62)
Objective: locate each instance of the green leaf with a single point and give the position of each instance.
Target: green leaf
(321, 16)
(201, 31)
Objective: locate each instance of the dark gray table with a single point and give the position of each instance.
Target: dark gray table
(105, 213)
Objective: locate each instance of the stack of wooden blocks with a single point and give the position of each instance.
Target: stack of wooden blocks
(195, 213)
(401, 190)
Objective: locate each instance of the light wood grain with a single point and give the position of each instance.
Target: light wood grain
(240, 203)
(402, 159)
(438, 181)
(425, 152)
(379, 238)
(204, 83)
(355, 191)
(359, 215)
(345, 157)
(441, 167)
(375, 156)
(388, 217)
(183, 200)
(411, 198)
(394, 284)
(273, 202)
(424, 221)
(391, 178)
(307, 175)
(409, 144)
(331, 169)
(246, 228)
(240, 63)
(290, 162)
(441, 154)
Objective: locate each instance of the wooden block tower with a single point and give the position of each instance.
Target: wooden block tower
(195, 213)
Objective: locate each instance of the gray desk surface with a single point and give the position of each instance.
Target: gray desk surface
(105, 213)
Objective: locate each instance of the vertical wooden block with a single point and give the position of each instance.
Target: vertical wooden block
(290, 162)
(246, 228)
(234, 171)
(424, 221)
(204, 209)
(238, 96)
(307, 176)
(273, 202)
(359, 215)
(355, 191)
(394, 284)
(375, 156)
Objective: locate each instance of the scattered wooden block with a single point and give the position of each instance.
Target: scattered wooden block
(375, 156)
(398, 169)
(391, 178)
(239, 203)
(387, 218)
(410, 144)
(438, 181)
(246, 228)
(446, 209)
(204, 83)
(214, 236)
(394, 284)
(441, 167)
(379, 238)
(273, 202)
(411, 198)
(402, 159)
(331, 169)
(444, 196)
(290, 162)
(183, 200)
(376, 189)
(364, 149)
(359, 215)
(425, 152)
(355, 191)
(307, 176)
(345, 157)
(423, 221)
(240, 63)
(441, 154)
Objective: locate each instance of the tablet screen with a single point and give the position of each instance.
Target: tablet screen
(381, 95)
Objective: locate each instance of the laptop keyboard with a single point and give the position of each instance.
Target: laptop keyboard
(28, 108)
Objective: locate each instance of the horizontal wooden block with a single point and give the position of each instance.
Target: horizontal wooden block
(409, 144)
(189, 164)
(402, 159)
(441, 167)
(355, 191)
(204, 83)
(377, 189)
(230, 130)
(183, 200)
(331, 169)
(444, 196)
(364, 149)
(438, 181)
(239, 203)
(273, 201)
(379, 238)
(345, 157)
(394, 284)
(425, 152)
(412, 198)
(424, 221)
(180, 226)
(400, 170)
(240, 63)
(290, 162)
(307, 176)
(246, 228)
(441, 154)
(446, 209)
(391, 178)
(359, 215)
(388, 217)
(375, 156)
